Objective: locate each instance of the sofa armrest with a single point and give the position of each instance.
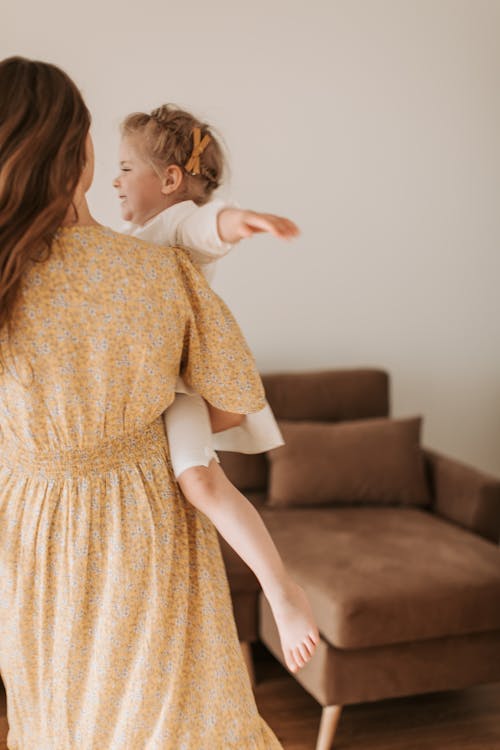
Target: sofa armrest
(464, 495)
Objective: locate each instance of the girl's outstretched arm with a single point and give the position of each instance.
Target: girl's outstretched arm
(235, 224)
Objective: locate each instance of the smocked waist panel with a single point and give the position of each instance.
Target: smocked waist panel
(110, 454)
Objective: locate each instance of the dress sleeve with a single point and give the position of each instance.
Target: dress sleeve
(216, 360)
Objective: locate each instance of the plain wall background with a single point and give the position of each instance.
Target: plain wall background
(374, 124)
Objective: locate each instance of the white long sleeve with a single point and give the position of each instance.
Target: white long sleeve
(191, 226)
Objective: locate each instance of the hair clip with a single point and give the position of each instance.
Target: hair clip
(193, 163)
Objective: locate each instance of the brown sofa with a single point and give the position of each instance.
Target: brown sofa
(407, 598)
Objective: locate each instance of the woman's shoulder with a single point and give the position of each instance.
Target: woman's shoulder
(97, 242)
(96, 260)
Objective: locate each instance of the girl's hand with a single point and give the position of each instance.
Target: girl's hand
(235, 224)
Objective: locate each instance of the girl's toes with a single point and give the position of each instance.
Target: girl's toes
(310, 647)
(290, 662)
(298, 657)
(310, 644)
(314, 636)
(314, 642)
(304, 652)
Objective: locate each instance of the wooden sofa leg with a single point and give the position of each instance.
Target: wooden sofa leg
(329, 720)
(4, 730)
(246, 650)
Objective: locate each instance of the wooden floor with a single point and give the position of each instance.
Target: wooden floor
(462, 720)
(458, 720)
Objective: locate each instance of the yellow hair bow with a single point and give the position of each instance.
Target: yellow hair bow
(199, 146)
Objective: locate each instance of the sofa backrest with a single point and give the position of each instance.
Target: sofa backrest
(326, 396)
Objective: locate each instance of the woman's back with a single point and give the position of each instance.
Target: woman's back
(115, 616)
(97, 341)
(114, 605)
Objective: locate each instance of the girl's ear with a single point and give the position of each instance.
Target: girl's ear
(172, 179)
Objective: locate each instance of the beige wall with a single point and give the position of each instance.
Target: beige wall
(375, 125)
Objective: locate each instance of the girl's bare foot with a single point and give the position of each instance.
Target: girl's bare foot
(297, 627)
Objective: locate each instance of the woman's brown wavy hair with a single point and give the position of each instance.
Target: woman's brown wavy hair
(43, 129)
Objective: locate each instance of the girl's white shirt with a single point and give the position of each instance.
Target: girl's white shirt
(195, 229)
(191, 226)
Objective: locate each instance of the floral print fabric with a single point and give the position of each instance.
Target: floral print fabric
(116, 628)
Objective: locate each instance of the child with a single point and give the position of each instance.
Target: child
(170, 163)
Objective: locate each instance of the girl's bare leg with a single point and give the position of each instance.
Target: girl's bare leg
(238, 521)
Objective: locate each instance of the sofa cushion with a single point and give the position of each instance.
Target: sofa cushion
(378, 576)
(329, 395)
(365, 461)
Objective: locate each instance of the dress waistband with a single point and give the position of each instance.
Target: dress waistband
(105, 456)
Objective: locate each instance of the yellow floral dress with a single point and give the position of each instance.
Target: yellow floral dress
(116, 627)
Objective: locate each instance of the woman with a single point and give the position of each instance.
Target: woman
(116, 629)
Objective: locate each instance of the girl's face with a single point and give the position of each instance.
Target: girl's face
(139, 186)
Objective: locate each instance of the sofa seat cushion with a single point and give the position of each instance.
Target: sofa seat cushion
(377, 576)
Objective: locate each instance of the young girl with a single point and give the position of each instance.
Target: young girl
(170, 163)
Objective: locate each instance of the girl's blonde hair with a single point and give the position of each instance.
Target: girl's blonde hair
(168, 136)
